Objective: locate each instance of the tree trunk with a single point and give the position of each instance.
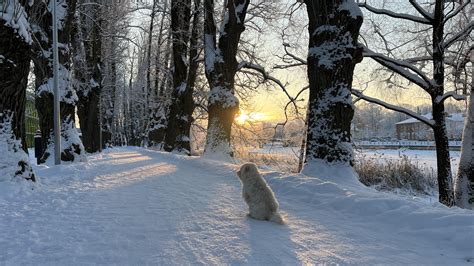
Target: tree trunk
(14, 69)
(180, 116)
(332, 55)
(88, 76)
(71, 148)
(221, 67)
(445, 182)
(158, 107)
(464, 181)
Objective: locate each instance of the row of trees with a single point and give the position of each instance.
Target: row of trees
(146, 85)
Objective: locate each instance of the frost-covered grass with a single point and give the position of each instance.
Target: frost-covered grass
(280, 159)
(404, 175)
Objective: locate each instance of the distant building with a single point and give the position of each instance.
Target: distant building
(413, 129)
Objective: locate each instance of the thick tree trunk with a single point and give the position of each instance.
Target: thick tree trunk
(14, 69)
(71, 148)
(332, 55)
(221, 67)
(88, 113)
(88, 73)
(180, 116)
(445, 180)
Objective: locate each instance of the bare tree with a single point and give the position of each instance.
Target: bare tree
(411, 70)
(181, 110)
(157, 101)
(87, 48)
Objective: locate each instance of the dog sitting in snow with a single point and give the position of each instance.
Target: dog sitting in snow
(258, 195)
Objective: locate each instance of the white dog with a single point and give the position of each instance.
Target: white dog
(258, 195)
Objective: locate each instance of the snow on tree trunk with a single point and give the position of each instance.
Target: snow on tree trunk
(332, 55)
(221, 65)
(464, 181)
(445, 179)
(73, 148)
(180, 116)
(157, 104)
(88, 74)
(15, 43)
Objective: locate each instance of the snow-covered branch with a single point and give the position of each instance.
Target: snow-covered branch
(392, 107)
(392, 14)
(461, 34)
(400, 67)
(421, 10)
(452, 94)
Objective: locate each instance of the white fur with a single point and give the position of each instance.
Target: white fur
(258, 195)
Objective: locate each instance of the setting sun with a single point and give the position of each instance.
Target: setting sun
(243, 117)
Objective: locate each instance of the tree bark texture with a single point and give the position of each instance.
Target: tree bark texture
(42, 18)
(445, 180)
(333, 53)
(181, 110)
(14, 69)
(87, 47)
(221, 67)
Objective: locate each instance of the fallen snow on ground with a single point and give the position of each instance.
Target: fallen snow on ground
(131, 206)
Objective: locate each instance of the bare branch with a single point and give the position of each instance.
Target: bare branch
(392, 107)
(455, 12)
(266, 76)
(462, 34)
(422, 11)
(402, 68)
(395, 15)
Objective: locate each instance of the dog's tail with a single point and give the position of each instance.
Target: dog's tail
(276, 218)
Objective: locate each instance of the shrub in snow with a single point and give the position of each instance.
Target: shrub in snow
(402, 174)
(71, 145)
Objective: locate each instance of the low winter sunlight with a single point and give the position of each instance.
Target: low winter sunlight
(244, 117)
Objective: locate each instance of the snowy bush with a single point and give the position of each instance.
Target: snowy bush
(13, 159)
(403, 175)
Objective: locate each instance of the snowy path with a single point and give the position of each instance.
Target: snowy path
(137, 207)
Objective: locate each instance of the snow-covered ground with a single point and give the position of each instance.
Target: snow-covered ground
(130, 206)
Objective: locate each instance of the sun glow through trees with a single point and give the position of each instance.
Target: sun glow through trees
(244, 117)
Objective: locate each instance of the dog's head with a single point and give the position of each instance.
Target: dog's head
(247, 170)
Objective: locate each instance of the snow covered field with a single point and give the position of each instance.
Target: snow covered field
(131, 206)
